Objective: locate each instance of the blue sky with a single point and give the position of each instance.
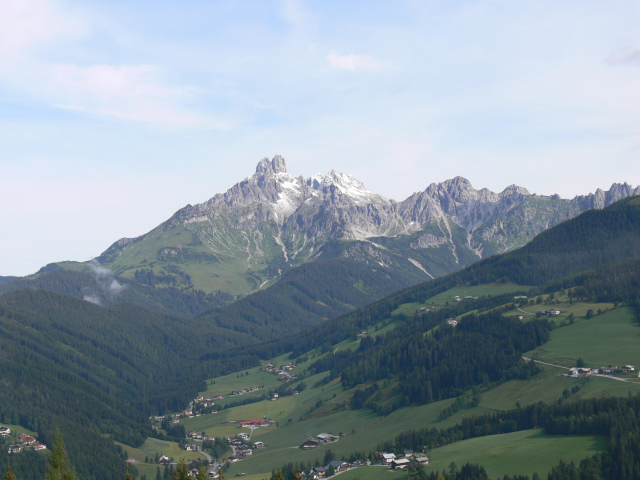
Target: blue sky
(115, 114)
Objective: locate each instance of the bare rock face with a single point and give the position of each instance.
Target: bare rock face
(339, 207)
(272, 220)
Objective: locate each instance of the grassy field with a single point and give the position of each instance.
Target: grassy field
(441, 299)
(610, 338)
(519, 453)
(153, 446)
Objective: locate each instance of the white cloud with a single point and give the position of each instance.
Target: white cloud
(27, 23)
(353, 62)
(625, 56)
(132, 92)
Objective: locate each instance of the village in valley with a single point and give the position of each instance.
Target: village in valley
(243, 445)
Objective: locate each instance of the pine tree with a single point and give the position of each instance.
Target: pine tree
(202, 473)
(9, 475)
(59, 468)
(182, 472)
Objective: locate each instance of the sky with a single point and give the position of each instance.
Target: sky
(115, 114)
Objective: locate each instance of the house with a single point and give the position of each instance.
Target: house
(258, 445)
(327, 438)
(320, 471)
(400, 463)
(338, 465)
(388, 457)
(191, 448)
(27, 439)
(554, 311)
(15, 448)
(628, 369)
(163, 460)
(609, 369)
(275, 396)
(5, 431)
(423, 459)
(452, 321)
(309, 443)
(408, 453)
(234, 459)
(457, 298)
(39, 446)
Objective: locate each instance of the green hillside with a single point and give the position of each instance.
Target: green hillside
(367, 376)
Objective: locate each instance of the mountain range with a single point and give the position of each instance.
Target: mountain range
(244, 239)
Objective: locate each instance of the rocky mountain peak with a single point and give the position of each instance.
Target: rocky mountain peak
(275, 165)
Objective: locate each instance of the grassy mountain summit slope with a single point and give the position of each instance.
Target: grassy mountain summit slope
(244, 239)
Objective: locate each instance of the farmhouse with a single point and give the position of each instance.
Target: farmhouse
(400, 463)
(15, 448)
(5, 431)
(628, 369)
(27, 439)
(338, 465)
(452, 321)
(580, 372)
(327, 438)
(309, 443)
(39, 446)
(387, 457)
(423, 459)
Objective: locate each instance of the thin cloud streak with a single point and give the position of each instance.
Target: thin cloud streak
(353, 62)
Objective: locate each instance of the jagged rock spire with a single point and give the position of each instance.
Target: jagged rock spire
(276, 165)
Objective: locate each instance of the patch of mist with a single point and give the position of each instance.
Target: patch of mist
(108, 288)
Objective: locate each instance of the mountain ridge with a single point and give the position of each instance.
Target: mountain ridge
(243, 239)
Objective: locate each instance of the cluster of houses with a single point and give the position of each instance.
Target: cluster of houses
(26, 441)
(553, 311)
(390, 459)
(199, 406)
(244, 390)
(402, 462)
(242, 447)
(193, 435)
(283, 371)
(320, 439)
(321, 472)
(608, 370)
